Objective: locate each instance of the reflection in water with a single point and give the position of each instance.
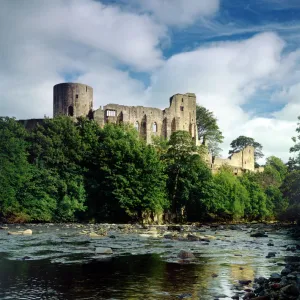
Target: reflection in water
(127, 277)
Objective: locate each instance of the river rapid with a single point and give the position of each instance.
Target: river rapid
(62, 261)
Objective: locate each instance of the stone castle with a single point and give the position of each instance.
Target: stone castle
(76, 100)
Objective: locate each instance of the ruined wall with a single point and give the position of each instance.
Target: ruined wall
(181, 115)
(72, 99)
(240, 162)
(31, 124)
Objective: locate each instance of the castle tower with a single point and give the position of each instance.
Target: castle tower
(183, 111)
(72, 99)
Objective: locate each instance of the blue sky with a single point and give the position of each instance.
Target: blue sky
(240, 58)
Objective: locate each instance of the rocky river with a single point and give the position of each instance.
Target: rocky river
(110, 261)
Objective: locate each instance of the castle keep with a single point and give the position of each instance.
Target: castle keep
(76, 100)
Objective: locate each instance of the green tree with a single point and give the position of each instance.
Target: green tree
(274, 172)
(127, 177)
(186, 170)
(242, 142)
(294, 162)
(209, 132)
(14, 168)
(56, 146)
(259, 207)
(225, 196)
(291, 191)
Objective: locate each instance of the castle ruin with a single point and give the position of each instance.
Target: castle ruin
(76, 100)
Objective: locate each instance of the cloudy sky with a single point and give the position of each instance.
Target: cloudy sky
(240, 57)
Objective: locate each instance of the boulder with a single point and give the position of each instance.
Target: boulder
(102, 250)
(192, 237)
(174, 228)
(289, 290)
(259, 234)
(14, 232)
(27, 232)
(275, 277)
(271, 254)
(249, 295)
(285, 271)
(245, 282)
(94, 235)
(186, 255)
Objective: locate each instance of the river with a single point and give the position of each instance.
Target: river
(60, 261)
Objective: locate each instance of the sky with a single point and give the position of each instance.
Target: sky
(240, 57)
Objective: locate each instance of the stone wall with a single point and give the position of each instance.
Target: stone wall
(30, 124)
(180, 115)
(240, 162)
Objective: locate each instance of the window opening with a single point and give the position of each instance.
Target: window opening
(154, 127)
(181, 108)
(110, 113)
(136, 125)
(70, 111)
(76, 96)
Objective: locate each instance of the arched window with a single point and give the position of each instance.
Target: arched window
(154, 127)
(173, 125)
(70, 111)
(136, 125)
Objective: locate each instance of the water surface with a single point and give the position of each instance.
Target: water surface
(59, 262)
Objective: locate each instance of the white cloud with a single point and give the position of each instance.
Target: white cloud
(224, 76)
(43, 42)
(178, 12)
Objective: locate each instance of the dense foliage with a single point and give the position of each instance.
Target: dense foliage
(76, 171)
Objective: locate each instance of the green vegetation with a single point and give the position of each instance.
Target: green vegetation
(209, 132)
(76, 171)
(242, 142)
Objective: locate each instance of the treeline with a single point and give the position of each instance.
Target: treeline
(76, 171)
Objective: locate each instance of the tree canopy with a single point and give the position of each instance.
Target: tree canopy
(242, 142)
(209, 132)
(66, 170)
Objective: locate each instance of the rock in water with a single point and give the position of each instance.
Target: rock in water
(27, 232)
(258, 234)
(186, 255)
(289, 290)
(14, 232)
(102, 250)
(94, 235)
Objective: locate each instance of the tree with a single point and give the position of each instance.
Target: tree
(294, 162)
(208, 129)
(291, 191)
(242, 142)
(274, 172)
(14, 168)
(125, 178)
(213, 148)
(57, 149)
(186, 171)
(224, 197)
(258, 208)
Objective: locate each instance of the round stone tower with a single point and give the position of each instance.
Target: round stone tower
(72, 99)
